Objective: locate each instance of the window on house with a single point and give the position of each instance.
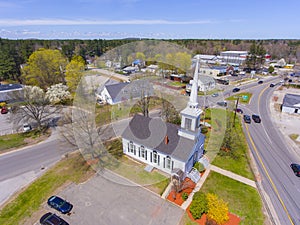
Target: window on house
(155, 157)
(168, 162)
(131, 147)
(142, 151)
(188, 123)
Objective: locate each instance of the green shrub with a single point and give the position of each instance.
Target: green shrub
(198, 205)
(204, 130)
(199, 167)
(184, 196)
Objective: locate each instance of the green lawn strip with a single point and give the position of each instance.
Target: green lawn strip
(17, 140)
(176, 84)
(71, 169)
(241, 98)
(243, 200)
(134, 170)
(11, 141)
(214, 137)
(236, 161)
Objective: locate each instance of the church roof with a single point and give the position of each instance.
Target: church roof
(153, 132)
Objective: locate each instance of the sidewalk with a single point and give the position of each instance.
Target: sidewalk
(221, 171)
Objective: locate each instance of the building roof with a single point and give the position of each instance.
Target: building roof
(206, 79)
(10, 87)
(6, 91)
(152, 132)
(125, 91)
(115, 89)
(291, 100)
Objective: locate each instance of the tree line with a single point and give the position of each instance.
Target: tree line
(15, 53)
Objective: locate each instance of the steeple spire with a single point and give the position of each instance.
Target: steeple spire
(190, 116)
(193, 102)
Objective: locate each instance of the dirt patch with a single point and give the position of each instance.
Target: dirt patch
(233, 219)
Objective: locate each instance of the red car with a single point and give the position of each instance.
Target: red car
(4, 110)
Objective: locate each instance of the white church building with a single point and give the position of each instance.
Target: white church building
(165, 146)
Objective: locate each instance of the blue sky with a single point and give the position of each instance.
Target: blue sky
(111, 19)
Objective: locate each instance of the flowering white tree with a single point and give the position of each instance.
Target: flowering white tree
(35, 107)
(57, 93)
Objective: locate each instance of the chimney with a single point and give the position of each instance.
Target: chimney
(166, 139)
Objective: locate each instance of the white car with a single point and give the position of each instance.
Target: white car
(26, 127)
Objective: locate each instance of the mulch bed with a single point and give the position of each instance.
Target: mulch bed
(233, 219)
(189, 187)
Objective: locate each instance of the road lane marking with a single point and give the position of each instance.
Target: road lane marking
(268, 176)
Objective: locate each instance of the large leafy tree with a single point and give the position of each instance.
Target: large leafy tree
(44, 68)
(256, 56)
(74, 72)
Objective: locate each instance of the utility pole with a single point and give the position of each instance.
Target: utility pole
(236, 105)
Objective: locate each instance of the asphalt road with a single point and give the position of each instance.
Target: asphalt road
(281, 188)
(18, 168)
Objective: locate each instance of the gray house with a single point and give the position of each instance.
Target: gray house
(10, 92)
(291, 103)
(166, 146)
(114, 93)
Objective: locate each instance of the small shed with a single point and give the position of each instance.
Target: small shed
(291, 103)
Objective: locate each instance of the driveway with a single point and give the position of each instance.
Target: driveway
(110, 199)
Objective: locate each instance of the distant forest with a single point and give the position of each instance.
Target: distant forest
(14, 53)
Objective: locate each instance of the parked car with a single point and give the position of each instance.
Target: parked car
(4, 110)
(52, 219)
(272, 85)
(27, 127)
(256, 118)
(260, 82)
(296, 169)
(224, 104)
(236, 89)
(247, 119)
(59, 204)
(238, 110)
(215, 95)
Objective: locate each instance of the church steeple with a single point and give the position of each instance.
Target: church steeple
(190, 116)
(193, 102)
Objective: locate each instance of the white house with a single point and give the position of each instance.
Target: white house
(291, 103)
(205, 83)
(114, 93)
(166, 146)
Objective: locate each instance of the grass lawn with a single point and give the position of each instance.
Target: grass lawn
(214, 137)
(72, 169)
(21, 139)
(134, 170)
(176, 84)
(237, 159)
(241, 98)
(243, 200)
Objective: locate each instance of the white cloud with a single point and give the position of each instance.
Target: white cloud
(34, 22)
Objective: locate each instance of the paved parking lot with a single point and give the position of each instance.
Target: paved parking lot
(5, 126)
(110, 199)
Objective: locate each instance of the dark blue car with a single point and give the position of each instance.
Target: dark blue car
(59, 204)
